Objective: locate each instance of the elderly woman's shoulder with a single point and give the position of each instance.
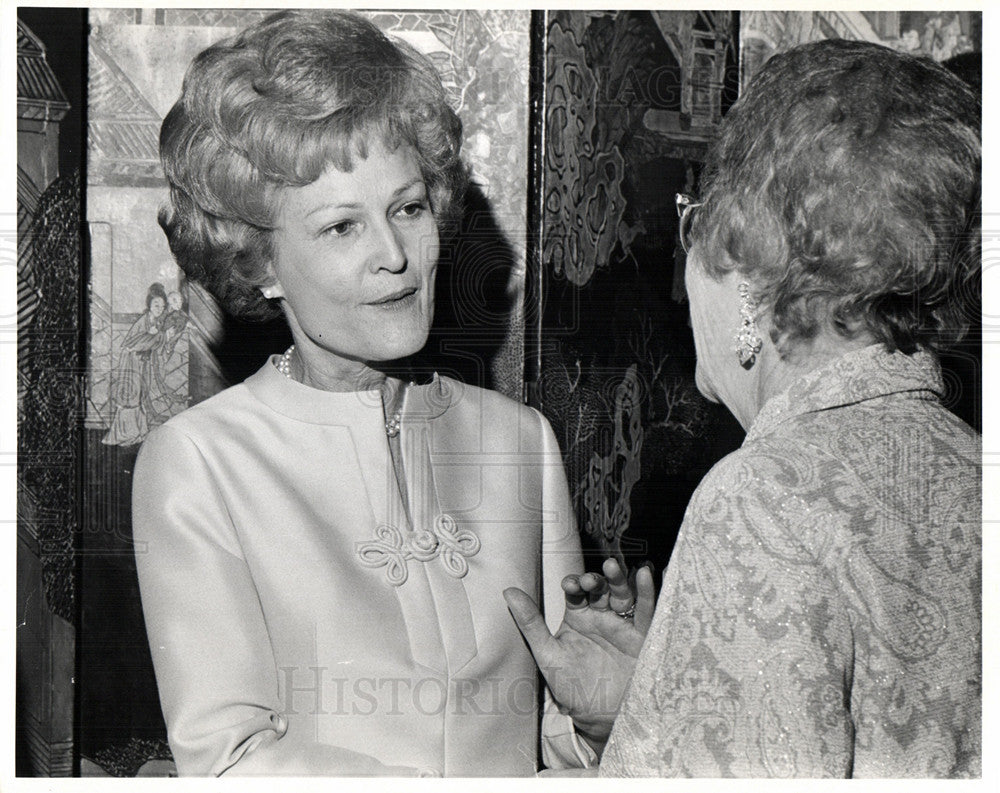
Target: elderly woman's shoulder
(754, 467)
(799, 489)
(811, 451)
(766, 496)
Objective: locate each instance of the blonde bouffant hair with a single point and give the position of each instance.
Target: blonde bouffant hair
(276, 106)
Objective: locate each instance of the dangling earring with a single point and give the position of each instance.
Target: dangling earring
(748, 341)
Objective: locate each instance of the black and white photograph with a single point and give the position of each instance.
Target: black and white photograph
(496, 392)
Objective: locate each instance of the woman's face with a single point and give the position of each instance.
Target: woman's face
(156, 306)
(355, 254)
(715, 319)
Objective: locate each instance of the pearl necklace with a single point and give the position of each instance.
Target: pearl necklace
(284, 365)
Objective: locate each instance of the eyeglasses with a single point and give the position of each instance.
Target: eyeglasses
(685, 204)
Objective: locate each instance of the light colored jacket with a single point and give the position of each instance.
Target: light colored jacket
(302, 621)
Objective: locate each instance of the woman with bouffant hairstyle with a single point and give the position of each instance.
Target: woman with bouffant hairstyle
(322, 549)
(821, 614)
(289, 98)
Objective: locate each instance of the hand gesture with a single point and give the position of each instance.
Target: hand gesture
(590, 659)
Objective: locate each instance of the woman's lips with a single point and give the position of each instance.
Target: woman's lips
(401, 298)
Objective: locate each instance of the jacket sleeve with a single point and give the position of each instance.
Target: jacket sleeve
(561, 556)
(214, 665)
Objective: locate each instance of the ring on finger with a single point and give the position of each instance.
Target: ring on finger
(628, 613)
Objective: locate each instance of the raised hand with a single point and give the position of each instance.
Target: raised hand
(588, 662)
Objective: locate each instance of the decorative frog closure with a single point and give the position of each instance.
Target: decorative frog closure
(392, 549)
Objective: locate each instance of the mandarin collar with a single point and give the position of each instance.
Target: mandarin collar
(315, 406)
(856, 376)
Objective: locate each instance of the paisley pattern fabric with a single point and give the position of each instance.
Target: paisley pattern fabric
(821, 614)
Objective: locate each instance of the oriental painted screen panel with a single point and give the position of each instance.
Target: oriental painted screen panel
(632, 99)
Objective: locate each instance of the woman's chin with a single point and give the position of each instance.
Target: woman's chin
(404, 347)
(397, 337)
(704, 385)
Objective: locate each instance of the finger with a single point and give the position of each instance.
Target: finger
(592, 582)
(531, 623)
(613, 572)
(595, 585)
(576, 598)
(645, 603)
(597, 590)
(571, 584)
(621, 597)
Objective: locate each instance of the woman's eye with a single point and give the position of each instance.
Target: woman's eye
(341, 229)
(413, 209)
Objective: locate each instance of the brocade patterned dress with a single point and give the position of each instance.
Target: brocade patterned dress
(821, 614)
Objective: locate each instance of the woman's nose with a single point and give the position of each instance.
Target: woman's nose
(390, 253)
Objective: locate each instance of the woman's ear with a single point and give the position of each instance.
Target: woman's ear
(782, 342)
(272, 287)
